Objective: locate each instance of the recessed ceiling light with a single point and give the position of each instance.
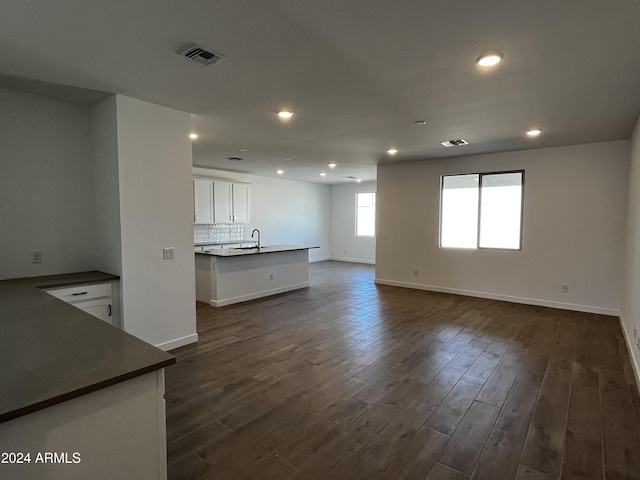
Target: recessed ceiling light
(288, 158)
(489, 59)
(534, 132)
(332, 165)
(285, 114)
(279, 171)
(193, 136)
(243, 149)
(322, 174)
(392, 151)
(420, 122)
(358, 180)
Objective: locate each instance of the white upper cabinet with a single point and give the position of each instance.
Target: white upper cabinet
(230, 202)
(240, 197)
(223, 211)
(202, 201)
(220, 201)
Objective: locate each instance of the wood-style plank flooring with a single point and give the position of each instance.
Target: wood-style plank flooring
(349, 380)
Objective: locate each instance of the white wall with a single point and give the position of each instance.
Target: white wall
(345, 245)
(574, 224)
(46, 182)
(285, 211)
(156, 211)
(630, 314)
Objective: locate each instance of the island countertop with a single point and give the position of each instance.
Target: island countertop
(230, 242)
(53, 352)
(236, 252)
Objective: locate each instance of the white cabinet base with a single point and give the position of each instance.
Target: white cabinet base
(225, 280)
(117, 432)
(95, 299)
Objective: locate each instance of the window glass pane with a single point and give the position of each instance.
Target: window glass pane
(366, 214)
(459, 220)
(501, 210)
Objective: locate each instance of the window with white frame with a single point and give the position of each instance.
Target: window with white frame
(482, 210)
(366, 214)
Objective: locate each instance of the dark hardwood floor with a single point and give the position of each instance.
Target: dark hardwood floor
(348, 380)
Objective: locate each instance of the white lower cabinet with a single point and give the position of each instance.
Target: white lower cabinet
(95, 299)
(117, 432)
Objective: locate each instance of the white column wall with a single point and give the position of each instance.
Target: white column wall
(156, 211)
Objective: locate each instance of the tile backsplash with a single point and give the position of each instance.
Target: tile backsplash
(218, 233)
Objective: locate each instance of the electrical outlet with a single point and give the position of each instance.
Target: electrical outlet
(565, 289)
(635, 332)
(271, 276)
(415, 273)
(36, 256)
(168, 253)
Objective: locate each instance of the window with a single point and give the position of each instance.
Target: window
(365, 214)
(482, 210)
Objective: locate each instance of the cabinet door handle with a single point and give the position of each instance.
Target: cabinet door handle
(79, 293)
(109, 310)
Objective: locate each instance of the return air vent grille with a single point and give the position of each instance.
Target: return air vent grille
(351, 177)
(235, 159)
(454, 143)
(202, 56)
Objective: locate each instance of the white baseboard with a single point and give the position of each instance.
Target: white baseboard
(253, 296)
(321, 259)
(633, 351)
(178, 342)
(504, 298)
(353, 260)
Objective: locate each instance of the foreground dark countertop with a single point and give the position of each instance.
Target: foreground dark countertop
(52, 352)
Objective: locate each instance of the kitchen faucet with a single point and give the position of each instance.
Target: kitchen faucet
(254, 231)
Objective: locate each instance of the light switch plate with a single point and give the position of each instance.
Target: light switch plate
(168, 253)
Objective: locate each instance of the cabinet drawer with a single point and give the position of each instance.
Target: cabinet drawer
(79, 293)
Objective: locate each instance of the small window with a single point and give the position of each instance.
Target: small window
(365, 214)
(482, 210)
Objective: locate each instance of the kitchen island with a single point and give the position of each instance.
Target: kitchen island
(82, 398)
(227, 276)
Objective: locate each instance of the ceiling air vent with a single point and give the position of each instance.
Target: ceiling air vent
(454, 143)
(235, 159)
(350, 177)
(202, 56)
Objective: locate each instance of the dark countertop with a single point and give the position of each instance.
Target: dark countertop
(237, 252)
(52, 352)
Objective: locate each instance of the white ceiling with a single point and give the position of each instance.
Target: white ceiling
(356, 73)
